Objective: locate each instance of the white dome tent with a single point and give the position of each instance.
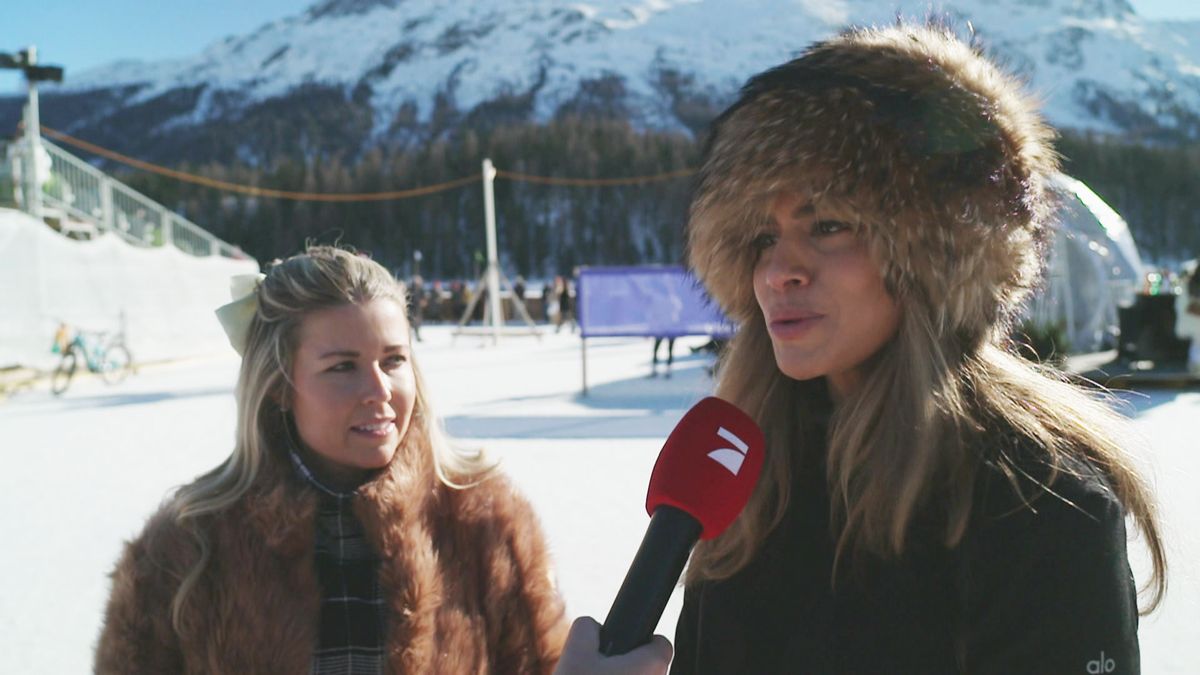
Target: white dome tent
(1093, 268)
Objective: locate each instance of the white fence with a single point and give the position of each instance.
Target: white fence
(82, 201)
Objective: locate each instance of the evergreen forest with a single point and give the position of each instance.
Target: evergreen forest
(546, 229)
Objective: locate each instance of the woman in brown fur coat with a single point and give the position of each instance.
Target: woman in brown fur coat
(343, 534)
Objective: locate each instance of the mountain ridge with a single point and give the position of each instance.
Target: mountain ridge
(380, 72)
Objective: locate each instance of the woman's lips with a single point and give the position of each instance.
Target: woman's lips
(793, 328)
(376, 430)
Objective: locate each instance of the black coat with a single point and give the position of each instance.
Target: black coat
(1034, 588)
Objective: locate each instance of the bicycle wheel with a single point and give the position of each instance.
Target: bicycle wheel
(117, 364)
(61, 379)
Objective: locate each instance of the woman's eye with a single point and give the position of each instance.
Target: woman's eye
(342, 367)
(827, 227)
(764, 241)
(394, 361)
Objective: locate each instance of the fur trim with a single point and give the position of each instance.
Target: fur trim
(941, 154)
(466, 573)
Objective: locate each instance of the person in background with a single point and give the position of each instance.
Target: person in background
(564, 292)
(573, 299)
(344, 534)
(458, 300)
(435, 309)
(418, 301)
(519, 289)
(562, 302)
(670, 355)
(550, 300)
(1187, 316)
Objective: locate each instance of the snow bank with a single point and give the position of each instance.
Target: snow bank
(46, 279)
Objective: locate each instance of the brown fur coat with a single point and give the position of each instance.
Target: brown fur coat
(465, 572)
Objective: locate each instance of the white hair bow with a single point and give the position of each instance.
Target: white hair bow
(235, 317)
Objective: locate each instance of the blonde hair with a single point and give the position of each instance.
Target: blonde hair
(947, 164)
(912, 437)
(319, 278)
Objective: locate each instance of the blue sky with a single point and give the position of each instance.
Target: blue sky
(79, 35)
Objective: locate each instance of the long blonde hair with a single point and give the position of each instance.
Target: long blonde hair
(319, 278)
(912, 437)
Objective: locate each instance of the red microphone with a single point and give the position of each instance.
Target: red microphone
(700, 483)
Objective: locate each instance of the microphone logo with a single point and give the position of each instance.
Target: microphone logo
(730, 458)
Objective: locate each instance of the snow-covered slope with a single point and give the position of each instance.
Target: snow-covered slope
(661, 63)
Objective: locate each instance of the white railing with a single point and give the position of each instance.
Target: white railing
(81, 200)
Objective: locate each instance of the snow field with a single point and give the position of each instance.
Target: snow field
(87, 469)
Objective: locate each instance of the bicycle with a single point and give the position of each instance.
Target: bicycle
(100, 352)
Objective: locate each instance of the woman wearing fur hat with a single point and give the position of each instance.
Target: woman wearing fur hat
(343, 534)
(872, 214)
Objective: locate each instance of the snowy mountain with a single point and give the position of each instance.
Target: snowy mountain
(359, 72)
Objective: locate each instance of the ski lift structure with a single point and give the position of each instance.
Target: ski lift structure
(488, 285)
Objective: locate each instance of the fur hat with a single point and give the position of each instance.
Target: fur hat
(943, 157)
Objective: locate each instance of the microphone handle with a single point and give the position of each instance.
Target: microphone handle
(648, 583)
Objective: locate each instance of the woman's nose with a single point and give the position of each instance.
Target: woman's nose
(788, 263)
(377, 386)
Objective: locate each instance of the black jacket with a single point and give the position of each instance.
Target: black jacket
(1034, 588)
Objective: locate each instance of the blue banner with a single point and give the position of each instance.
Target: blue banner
(646, 301)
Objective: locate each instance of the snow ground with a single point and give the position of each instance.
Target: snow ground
(86, 470)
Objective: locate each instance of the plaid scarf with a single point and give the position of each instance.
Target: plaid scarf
(352, 609)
